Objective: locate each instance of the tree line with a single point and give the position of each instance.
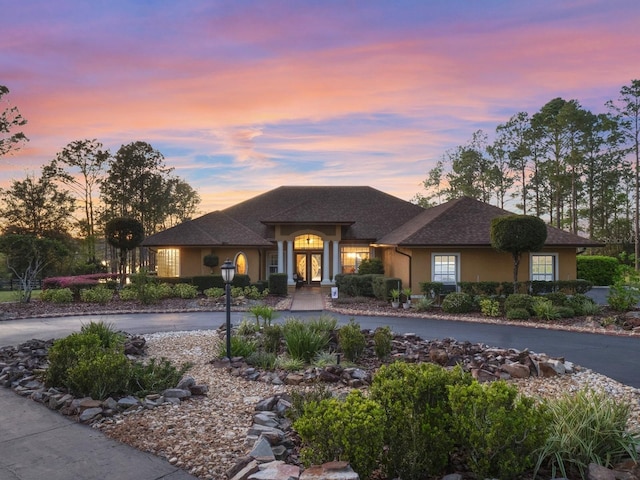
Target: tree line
(84, 187)
(574, 168)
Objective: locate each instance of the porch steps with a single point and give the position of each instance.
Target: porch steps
(307, 299)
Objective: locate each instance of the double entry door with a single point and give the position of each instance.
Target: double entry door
(309, 267)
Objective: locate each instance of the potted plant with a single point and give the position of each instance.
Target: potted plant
(406, 293)
(395, 297)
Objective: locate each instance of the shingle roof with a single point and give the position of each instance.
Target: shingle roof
(464, 222)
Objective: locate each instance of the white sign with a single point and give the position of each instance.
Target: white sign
(334, 292)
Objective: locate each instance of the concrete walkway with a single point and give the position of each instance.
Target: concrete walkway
(307, 299)
(37, 443)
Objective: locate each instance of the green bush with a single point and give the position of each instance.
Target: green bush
(559, 299)
(99, 374)
(382, 342)
(106, 332)
(356, 285)
(128, 293)
(490, 307)
(265, 312)
(324, 323)
(350, 430)
(252, 292)
(262, 359)
(544, 309)
(597, 269)
(423, 304)
(519, 300)
(431, 289)
(303, 342)
(565, 312)
(65, 354)
(155, 376)
(623, 297)
(166, 290)
(417, 417)
(497, 429)
(586, 427)
(457, 302)
(204, 282)
(57, 295)
(184, 290)
(371, 266)
(351, 340)
(480, 288)
(100, 294)
(278, 283)
(214, 292)
(301, 398)
(272, 338)
(518, 313)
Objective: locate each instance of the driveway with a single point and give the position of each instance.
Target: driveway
(617, 357)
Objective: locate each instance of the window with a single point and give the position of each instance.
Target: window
(308, 242)
(351, 258)
(241, 264)
(168, 262)
(444, 268)
(272, 266)
(543, 267)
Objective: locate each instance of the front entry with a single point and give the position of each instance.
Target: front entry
(309, 267)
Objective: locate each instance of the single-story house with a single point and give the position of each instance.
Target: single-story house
(318, 232)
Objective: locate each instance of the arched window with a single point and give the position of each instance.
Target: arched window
(308, 242)
(241, 264)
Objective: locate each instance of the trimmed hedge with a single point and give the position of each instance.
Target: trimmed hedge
(356, 285)
(383, 285)
(598, 269)
(278, 283)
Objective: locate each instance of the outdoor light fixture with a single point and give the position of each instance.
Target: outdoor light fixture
(228, 270)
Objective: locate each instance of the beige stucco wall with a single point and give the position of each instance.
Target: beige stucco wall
(476, 264)
(191, 261)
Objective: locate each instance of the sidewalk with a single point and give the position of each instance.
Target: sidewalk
(307, 299)
(37, 443)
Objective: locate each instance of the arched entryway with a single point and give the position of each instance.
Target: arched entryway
(308, 250)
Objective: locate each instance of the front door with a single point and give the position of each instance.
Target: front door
(309, 267)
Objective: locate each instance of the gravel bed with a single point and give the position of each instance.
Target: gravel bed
(204, 436)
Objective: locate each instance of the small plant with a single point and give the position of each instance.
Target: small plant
(165, 290)
(586, 427)
(544, 309)
(184, 290)
(351, 340)
(288, 363)
(57, 295)
(300, 399)
(262, 359)
(155, 376)
(406, 293)
(423, 304)
(106, 332)
(395, 294)
(240, 347)
(215, 293)
(565, 312)
(518, 314)
(519, 300)
(265, 312)
(351, 430)
(301, 341)
(490, 307)
(99, 294)
(247, 328)
(128, 293)
(457, 302)
(324, 359)
(382, 342)
(590, 308)
(623, 297)
(324, 323)
(272, 338)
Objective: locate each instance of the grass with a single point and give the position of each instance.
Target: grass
(11, 295)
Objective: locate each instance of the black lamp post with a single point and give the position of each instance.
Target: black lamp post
(228, 270)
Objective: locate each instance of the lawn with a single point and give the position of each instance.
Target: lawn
(11, 295)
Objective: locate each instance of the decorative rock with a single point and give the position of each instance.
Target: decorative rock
(261, 451)
(128, 402)
(276, 470)
(245, 471)
(598, 472)
(186, 382)
(176, 393)
(293, 379)
(199, 390)
(517, 370)
(330, 471)
(89, 414)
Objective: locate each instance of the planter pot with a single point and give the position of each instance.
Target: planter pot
(406, 305)
(395, 304)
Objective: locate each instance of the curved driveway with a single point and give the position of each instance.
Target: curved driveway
(616, 357)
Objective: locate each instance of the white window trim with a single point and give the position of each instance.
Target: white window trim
(544, 254)
(433, 265)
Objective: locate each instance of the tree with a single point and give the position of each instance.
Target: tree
(80, 165)
(10, 118)
(27, 256)
(432, 186)
(513, 135)
(37, 207)
(473, 174)
(628, 112)
(517, 234)
(125, 234)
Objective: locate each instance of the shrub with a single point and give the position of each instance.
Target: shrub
(99, 374)
(351, 340)
(457, 302)
(580, 304)
(431, 289)
(109, 337)
(519, 300)
(57, 295)
(99, 294)
(65, 354)
(300, 399)
(518, 314)
(597, 269)
(382, 342)
(490, 307)
(155, 376)
(265, 312)
(324, 323)
(240, 347)
(559, 299)
(247, 328)
(480, 288)
(128, 293)
(286, 362)
(165, 290)
(423, 304)
(302, 342)
(271, 338)
(586, 427)
(623, 297)
(350, 430)
(417, 417)
(262, 359)
(565, 312)
(356, 285)
(184, 290)
(252, 292)
(204, 282)
(215, 292)
(544, 309)
(278, 283)
(588, 308)
(498, 430)
(371, 266)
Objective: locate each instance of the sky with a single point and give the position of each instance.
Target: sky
(244, 96)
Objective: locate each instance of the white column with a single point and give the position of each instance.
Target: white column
(280, 257)
(336, 260)
(290, 266)
(325, 263)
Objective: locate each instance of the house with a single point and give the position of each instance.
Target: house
(317, 232)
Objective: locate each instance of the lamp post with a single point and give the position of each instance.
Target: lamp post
(228, 270)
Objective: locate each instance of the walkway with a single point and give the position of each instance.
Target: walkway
(307, 299)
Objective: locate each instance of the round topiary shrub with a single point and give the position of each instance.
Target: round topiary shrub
(457, 302)
(519, 300)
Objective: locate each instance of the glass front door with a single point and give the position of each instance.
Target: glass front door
(309, 267)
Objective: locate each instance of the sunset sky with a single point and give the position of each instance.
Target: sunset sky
(245, 96)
